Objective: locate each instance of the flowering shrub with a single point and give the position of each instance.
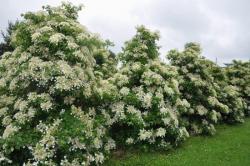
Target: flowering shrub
(149, 103)
(227, 94)
(239, 75)
(63, 101)
(199, 88)
(52, 94)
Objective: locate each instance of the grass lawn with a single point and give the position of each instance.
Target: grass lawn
(229, 147)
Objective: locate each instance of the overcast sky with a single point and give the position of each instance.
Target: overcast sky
(222, 27)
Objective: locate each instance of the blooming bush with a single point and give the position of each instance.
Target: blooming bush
(64, 101)
(52, 95)
(200, 89)
(239, 76)
(227, 94)
(149, 103)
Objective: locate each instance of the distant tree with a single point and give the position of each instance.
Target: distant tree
(106, 61)
(6, 45)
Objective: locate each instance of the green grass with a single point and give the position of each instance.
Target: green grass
(229, 147)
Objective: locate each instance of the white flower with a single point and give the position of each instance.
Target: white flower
(82, 37)
(214, 116)
(21, 117)
(6, 120)
(124, 91)
(130, 141)
(46, 106)
(147, 99)
(97, 143)
(3, 111)
(40, 153)
(76, 144)
(65, 68)
(2, 82)
(69, 100)
(185, 103)
(13, 84)
(72, 45)
(212, 101)
(99, 158)
(160, 132)
(131, 109)
(184, 132)
(9, 130)
(31, 112)
(140, 93)
(35, 36)
(45, 29)
(159, 94)
(168, 90)
(164, 110)
(201, 110)
(121, 79)
(166, 121)
(118, 109)
(150, 77)
(144, 134)
(110, 145)
(64, 24)
(56, 38)
(23, 105)
(136, 66)
(24, 57)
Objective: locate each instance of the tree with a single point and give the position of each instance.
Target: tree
(227, 94)
(149, 105)
(238, 73)
(198, 87)
(5, 45)
(52, 102)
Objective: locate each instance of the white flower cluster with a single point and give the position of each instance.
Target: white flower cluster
(145, 134)
(161, 132)
(118, 109)
(56, 38)
(150, 77)
(124, 91)
(130, 141)
(147, 100)
(45, 149)
(201, 110)
(9, 131)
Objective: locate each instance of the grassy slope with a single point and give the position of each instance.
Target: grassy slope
(229, 147)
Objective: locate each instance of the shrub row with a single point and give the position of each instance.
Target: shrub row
(66, 99)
